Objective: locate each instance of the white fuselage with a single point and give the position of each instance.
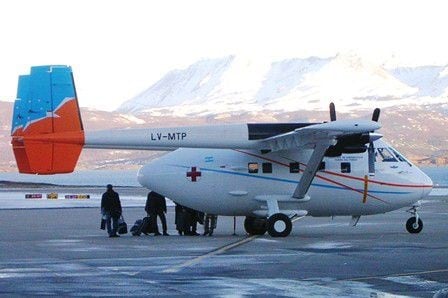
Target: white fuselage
(225, 181)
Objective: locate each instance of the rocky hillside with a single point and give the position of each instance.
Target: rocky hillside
(418, 131)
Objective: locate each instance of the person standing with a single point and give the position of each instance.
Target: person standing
(180, 219)
(192, 217)
(156, 206)
(111, 210)
(210, 224)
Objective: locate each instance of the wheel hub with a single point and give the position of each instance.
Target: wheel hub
(279, 226)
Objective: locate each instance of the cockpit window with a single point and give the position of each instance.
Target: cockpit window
(385, 155)
(397, 155)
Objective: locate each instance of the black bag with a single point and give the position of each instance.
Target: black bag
(122, 226)
(144, 226)
(149, 225)
(103, 224)
(136, 227)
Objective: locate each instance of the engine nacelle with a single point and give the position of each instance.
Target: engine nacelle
(352, 144)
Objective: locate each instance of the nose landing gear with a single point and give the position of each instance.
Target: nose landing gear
(414, 224)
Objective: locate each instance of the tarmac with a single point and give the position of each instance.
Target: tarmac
(62, 252)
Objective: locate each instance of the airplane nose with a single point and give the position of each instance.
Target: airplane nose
(141, 177)
(428, 184)
(154, 175)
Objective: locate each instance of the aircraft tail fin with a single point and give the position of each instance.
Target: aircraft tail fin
(47, 131)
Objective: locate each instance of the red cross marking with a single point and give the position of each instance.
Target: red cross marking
(193, 174)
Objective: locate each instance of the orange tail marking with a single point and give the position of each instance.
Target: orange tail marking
(48, 153)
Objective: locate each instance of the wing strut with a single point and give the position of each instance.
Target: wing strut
(310, 170)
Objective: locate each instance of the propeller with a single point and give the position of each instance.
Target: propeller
(371, 150)
(371, 137)
(376, 115)
(332, 112)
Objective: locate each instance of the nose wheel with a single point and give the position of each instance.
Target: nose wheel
(414, 224)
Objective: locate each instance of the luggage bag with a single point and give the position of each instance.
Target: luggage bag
(122, 226)
(144, 226)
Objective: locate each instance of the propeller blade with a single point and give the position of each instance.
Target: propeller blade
(332, 112)
(371, 152)
(376, 115)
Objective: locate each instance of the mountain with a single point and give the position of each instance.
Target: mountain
(240, 84)
(418, 131)
(414, 103)
(429, 80)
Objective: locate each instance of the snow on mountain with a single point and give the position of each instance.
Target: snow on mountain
(237, 83)
(285, 75)
(429, 80)
(180, 86)
(132, 119)
(348, 81)
(444, 72)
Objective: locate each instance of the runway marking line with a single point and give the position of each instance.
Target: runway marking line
(395, 275)
(215, 252)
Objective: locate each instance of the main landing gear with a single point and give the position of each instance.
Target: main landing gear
(414, 224)
(277, 225)
(255, 226)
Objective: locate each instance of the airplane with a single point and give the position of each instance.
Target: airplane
(271, 173)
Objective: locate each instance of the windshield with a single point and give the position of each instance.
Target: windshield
(399, 156)
(384, 155)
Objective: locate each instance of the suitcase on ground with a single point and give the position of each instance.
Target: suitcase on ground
(136, 228)
(149, 225)
(145, 226)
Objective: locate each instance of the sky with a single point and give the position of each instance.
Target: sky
(117, 49)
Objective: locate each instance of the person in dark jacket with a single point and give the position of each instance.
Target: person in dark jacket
(180, 219)
(111, 210)
(156, 206)
(210, 221)
(192, 218)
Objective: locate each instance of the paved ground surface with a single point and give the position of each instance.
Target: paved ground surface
(62, 252)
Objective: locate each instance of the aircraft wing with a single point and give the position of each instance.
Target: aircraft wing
(309, 136)
(318, 137)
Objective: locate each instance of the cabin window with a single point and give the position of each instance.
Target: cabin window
(294, 167)
(385, 155)
(322, 166)
(346, 167)
(253, 167)
(267, 167)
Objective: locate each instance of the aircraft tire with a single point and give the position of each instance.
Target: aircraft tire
(273, 225)
(255, 226)
(411, 228)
